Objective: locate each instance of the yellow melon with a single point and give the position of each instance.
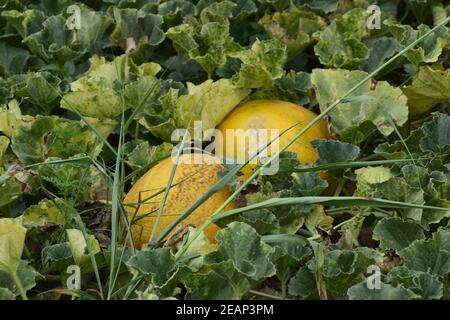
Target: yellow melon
(194, 176)
(270, 114)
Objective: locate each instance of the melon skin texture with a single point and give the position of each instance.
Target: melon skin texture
(194, 176)
(271, 114)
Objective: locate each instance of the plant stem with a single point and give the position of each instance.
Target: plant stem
(339, 187)
(19, 285)
(346, 221)
(136, 132)
(283, 289)
(314, 237)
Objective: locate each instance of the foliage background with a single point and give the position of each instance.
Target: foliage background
(86, 112)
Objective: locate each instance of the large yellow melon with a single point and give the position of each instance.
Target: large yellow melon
(271, 114)
(194, 176)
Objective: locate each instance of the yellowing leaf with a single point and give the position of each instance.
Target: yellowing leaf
(372, 106)
(79, 246)
(429, 88)
(209, 102)
(12, 238)
(43, 213)
(373, 175)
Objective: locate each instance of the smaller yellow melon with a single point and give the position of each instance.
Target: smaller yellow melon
(270, 114)
(194, 176)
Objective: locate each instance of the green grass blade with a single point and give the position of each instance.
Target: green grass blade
(330, 201)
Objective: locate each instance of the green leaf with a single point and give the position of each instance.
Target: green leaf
(263, 221)
(13, 60)
(51, 136)
(287, 163)
(157, 264)
(12, 239)
(428, 88)
(426, 285)
(387, 292)
(241, 244)
(26, 22)
(54, 42)
(430, 137)
(303, 284)
(173, 10)
(103, 127)
(95, 28)
(159, 118)
(144, 155)
(57, 257)
(397, 234)
(93, 94)
(294, 82)
(291, 218)
(43, 90)
(261, 64)
(10, 189)
(380, 50)
(142, 92)
(183, 38)
(355, 120)
(26, 274)
(294, 27)
(431, 183)
(428, 50)
(219, 11)
(326, 6)
(45, 213)
(5, 294)
(286, 258)
(200, 246)
(431, 256)
(308, 184)
(140, 26)
(340, 45)
(286, 219)
(379, 182)
(435, 135)
(341, 269)
(210, 45)
(219, 281)
(331, 151)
